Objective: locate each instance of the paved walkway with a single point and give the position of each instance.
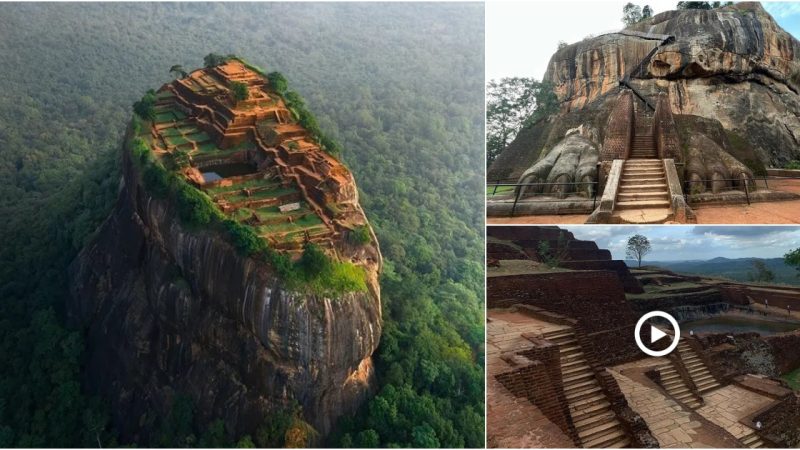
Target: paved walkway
(670, 423)
(726, 406)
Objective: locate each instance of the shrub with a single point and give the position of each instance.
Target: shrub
(278, 82)
(239, 91)
(314, 261)
(793, 165)
(360, 235)
(145, 108)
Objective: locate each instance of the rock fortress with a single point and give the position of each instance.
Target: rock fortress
(191, 286)
(564, 369)
(682, 110)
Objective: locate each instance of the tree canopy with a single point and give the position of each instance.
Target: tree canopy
(415, 148)
(511, 104)
(638, 247)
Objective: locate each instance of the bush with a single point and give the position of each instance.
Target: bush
(793, 165)
(360, 235)
(314, 261)
(239, 91)
(194, 207)
(278, 82)
(145, 108)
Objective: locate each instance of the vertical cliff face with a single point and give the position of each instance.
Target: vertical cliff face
(733, 66)
(175, 311)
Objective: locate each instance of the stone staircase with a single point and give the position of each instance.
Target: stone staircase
(676, 387)
(701, 377)
(643, 147)
(752, 440)
(643, 186)
(591, 412)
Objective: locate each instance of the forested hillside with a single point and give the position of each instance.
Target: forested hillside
(400, 86)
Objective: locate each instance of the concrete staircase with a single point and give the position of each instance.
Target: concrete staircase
(676, 387)
(591, 411)
(752, 440)
(701, 377)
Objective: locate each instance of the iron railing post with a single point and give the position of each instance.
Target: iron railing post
(516, 198)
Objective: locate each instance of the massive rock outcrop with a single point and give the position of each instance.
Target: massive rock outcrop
(733, 66)
(176, 311)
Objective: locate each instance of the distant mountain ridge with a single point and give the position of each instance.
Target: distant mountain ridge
(737, 269)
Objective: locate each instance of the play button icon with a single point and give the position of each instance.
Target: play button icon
(657, 334)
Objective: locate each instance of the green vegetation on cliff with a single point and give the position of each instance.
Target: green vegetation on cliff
(72, 73)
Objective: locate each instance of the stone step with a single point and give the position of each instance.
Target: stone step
(621, 443)
(749, 438)
(672, 384)
(679, 391)
(703, 378)
(571, 363)
(641, 180)
(567, 341)
(637, 204)
(582, 384)
(587, 411)
(643, 188)
(603, 440)
(575, 370)
(583, 393)
(597, 429)
(601, 415)
(710, 387)
(582, 405)
(580, 376)
(557, 334)
(642, 170)
(636, 196)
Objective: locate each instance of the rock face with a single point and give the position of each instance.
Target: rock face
(734, 66)
(172, 311)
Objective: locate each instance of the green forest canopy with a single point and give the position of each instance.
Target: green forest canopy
(395, 102)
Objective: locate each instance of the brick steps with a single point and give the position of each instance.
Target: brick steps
(676, 387)
(591, 412)
(700, 374)
(752, 440)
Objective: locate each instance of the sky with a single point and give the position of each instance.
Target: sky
(689, 242)
(521, 36)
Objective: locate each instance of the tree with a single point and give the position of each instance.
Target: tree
(792, 258)
(638, 247)
(177, 70)
(761, 271)
(631, 14)
(703, 5)
(647, 12)
(239, 91)
(145, 108)
(214, 59)
(511, 104)
(278, 82)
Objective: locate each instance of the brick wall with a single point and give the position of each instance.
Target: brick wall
(786, 350)
(536, 376)
(596, 300)
(619, 130)
(665, 132)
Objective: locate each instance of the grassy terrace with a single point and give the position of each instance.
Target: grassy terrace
(177, 130)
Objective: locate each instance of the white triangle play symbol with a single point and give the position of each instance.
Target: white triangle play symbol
(656, 334)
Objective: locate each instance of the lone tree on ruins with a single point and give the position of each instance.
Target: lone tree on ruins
(638, 247)
(177, 70)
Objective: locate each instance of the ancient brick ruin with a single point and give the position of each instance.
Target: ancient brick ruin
(255, 160)
(560, 328)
